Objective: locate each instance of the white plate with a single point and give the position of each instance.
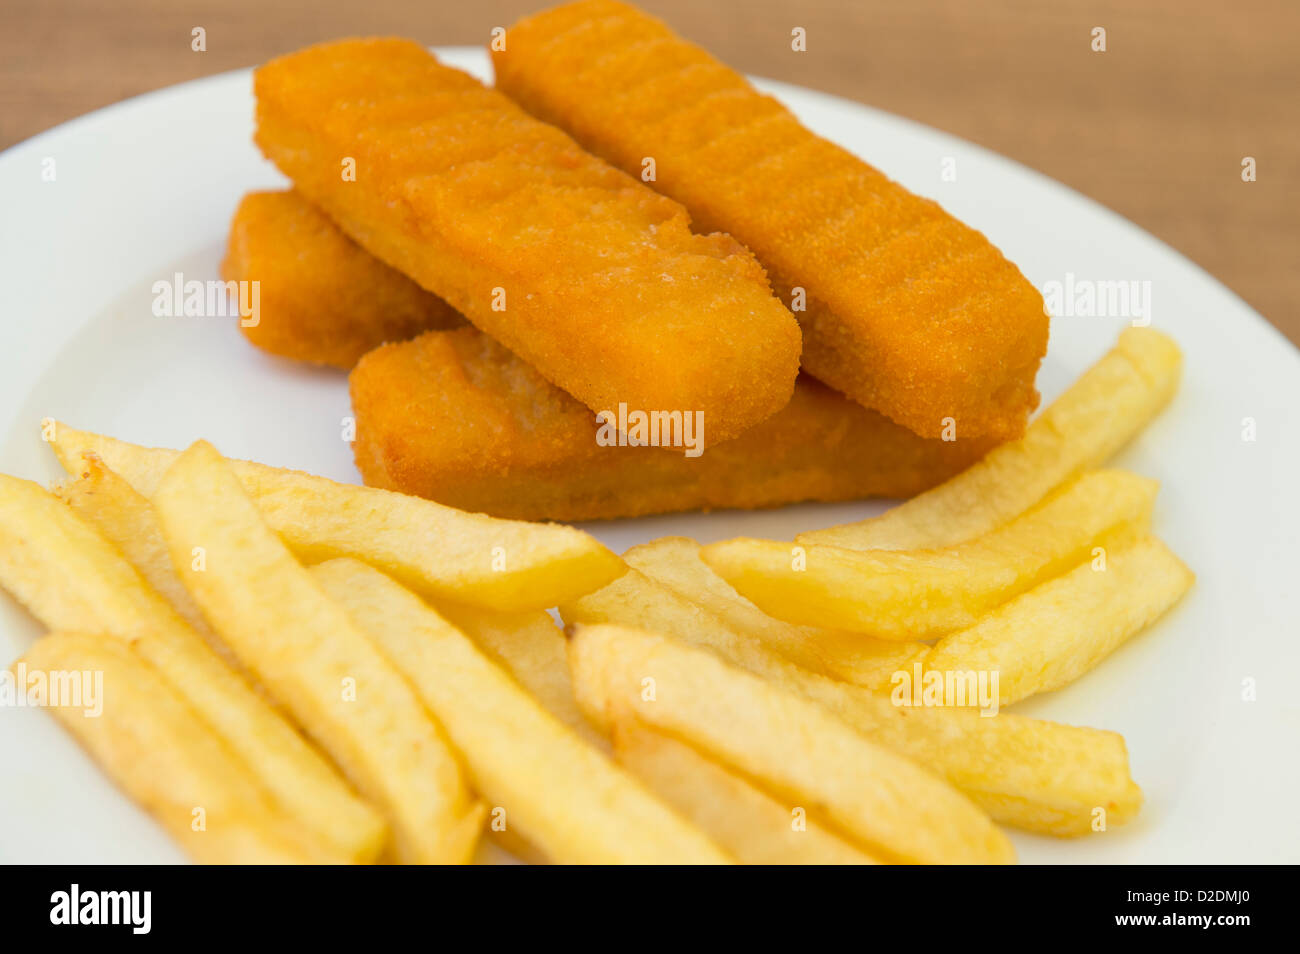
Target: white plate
(147, 187)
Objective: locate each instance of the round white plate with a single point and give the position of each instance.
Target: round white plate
(146, 188)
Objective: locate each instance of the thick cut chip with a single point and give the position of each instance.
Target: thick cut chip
(1101, 412)
(921, 594)
(852, 657)
(559, 793)
(786, 743)
(72, 579)
(321, 298)
(313, 659)
(529, 646)
(1041, 776)
(1053, 634)
(127, 520)
(455, 417)
(904, 308)
(581, 270)
(757, 828)
(438, 551)
(162, 754)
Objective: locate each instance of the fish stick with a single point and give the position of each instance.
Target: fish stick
(455, 417)
(321, 299)
(528, 449)
(908, 311)
(581, 270)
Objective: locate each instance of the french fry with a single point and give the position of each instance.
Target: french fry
(528, 644)
(126, 519)
(531, 648)
(921, 594)
(1040, 776)
(435, 550)
(1059, 630)
(755, 827)
(312, 658)
(561, 795)
(1101, 412)
(788, 744)
(162, 754)
(72, 579)
(852, 657)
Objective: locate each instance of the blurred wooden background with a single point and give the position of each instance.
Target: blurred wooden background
(1155, 128)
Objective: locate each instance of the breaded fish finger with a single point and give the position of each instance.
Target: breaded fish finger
(908, 310)
(457, 418)
(578, 268)
(322, 299)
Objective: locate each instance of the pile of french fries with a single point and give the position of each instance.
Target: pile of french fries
(302, 671)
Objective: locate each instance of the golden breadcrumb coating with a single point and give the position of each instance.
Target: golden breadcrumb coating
(457, 418)
(583, 271)
(323, 298)
(909, 311)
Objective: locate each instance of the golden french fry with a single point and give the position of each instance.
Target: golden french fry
(1101, 412)
(72, 579)
(1036, 775)
(1059, 630)
(313, 659)
(852, 657)
(531, 647)
(786, 743)
(162, 754)
(563, 796)
(921, 594)
(435, 550)
(126, 519)
(560, 794)
(755, 827)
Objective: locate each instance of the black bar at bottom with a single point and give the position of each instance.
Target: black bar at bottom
(309, 905)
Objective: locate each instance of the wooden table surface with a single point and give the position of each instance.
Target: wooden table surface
(1156, 127)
